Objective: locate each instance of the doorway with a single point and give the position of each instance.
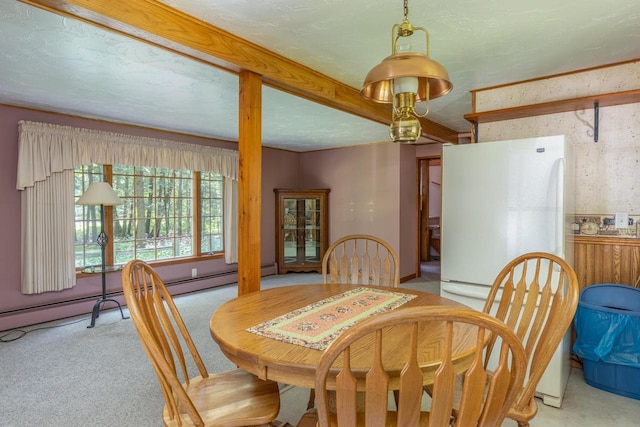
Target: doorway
(430, 201)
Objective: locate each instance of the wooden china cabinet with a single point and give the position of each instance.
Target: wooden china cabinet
(302, 229)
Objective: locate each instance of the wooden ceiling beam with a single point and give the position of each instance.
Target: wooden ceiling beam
(156, 23)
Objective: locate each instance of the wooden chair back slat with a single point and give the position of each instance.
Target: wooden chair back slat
(377, 389)
(347, 383)
(498, 389)
(475, 382)
(353, 264)
(444, 384)
(410, 386)
(367, 265)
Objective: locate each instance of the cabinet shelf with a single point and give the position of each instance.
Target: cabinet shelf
(301, 229)
(553, 107)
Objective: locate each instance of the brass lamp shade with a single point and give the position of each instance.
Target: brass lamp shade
(378, 83)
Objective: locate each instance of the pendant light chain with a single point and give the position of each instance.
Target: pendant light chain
(406, 10)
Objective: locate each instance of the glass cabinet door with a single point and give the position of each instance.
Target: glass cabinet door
(302, 229)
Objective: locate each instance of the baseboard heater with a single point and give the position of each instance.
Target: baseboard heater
(168, 283)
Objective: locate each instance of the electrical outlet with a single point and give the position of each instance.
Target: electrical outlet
(194, 272)
(622, 220)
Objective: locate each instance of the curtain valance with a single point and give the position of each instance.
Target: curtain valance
(46, 148)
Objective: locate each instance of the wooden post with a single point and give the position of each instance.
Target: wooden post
(250, 182)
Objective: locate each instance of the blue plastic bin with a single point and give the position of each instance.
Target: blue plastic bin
(607, 324)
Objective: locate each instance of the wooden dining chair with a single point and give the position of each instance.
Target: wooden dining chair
(361, 259)
(536, 295)
(233, 398)
(478, 408)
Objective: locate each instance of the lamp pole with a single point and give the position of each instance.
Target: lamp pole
(103, 240)
(101, 193)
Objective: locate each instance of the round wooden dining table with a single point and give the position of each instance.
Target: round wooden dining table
(294, 364)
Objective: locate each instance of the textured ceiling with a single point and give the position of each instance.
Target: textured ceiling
(60, 64)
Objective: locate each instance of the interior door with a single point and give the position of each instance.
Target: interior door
(430, 202)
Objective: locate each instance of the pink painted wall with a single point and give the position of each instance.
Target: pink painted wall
(373, 191)
(280, 168)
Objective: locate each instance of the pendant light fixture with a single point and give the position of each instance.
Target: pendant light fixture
(407, 80)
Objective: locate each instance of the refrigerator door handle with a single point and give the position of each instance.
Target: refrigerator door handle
(560, 209)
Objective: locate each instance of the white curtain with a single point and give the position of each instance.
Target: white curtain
(47, 235)
(47, 150)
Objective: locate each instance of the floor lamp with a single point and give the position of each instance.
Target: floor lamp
(101, 193)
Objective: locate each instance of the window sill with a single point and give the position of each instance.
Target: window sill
(82, 272)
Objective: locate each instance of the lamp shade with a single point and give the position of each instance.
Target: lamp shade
(378, 83)
(99, 193)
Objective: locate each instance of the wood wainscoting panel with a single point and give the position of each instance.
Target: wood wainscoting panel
(607, 260)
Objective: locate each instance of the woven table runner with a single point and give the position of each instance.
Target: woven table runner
(317, 325)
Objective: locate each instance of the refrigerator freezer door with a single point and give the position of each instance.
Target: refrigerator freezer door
(500, 200)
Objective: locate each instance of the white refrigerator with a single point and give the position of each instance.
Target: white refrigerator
(500, 200)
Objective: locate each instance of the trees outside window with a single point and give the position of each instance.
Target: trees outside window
(166, 214)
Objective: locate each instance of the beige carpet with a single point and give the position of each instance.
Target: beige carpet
(67, 375)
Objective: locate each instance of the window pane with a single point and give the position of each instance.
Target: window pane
(88, 223)
(122, 170)
(153, 214)
(211, 212)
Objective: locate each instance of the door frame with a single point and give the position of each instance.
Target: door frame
(423, 179)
